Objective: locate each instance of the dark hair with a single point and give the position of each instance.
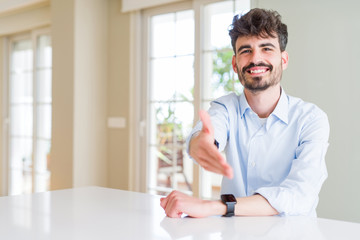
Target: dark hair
(259, 22)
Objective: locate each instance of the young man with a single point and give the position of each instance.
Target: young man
(275, 144)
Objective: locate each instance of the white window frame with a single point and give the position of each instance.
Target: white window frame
(33, 35)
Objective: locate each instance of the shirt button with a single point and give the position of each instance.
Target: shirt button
(253, 164)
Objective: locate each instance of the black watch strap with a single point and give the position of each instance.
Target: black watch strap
(230, 201)
(230, 210)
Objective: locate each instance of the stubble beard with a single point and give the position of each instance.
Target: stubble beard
(258, 84)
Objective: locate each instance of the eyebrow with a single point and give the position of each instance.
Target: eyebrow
(261, 45)
(243, 47)
(267, 45)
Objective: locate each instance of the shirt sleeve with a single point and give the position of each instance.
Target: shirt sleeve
(298, 193)
(219, 119)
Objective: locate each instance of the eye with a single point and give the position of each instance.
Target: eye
(245, 51)
(267, 49)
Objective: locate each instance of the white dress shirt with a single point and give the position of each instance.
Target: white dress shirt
(283, 159)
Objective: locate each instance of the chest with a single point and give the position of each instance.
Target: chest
(265, 152)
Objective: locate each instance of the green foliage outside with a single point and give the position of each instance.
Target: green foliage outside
(222, 70)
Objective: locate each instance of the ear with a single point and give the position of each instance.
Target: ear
(284, 59)
(234, 64)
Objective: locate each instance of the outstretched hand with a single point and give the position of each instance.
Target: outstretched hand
(204, 151)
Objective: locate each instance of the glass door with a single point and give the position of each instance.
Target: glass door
(170, 101)
(29, 113)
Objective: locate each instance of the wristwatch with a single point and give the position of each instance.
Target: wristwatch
(229, 200)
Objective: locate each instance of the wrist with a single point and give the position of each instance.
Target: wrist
(215, 208)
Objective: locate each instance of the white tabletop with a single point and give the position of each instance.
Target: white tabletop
(101, 213)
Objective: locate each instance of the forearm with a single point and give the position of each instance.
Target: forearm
(255, 205)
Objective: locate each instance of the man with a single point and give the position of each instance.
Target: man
(275, 144)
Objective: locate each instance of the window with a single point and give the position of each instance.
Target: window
(28, 132)
(189, 64)
(171, 83)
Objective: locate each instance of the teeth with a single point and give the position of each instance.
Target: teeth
(257, 71)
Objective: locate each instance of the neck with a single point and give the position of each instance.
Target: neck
(263, 103)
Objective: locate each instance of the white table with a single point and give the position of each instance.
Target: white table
(101, 213)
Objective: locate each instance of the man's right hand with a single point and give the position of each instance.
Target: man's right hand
(204, 151)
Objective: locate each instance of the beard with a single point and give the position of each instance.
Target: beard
(260, 83)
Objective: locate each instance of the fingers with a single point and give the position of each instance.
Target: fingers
(206, 121)
(171, 204)
(209, 157)
(218, 165)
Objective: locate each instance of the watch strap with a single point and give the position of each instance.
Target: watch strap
(230, 209)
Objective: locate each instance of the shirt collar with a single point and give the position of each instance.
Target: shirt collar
(244, 105)
(281, 110)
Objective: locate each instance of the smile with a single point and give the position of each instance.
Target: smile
(257, 70)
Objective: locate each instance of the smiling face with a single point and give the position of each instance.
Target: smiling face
(259, 62)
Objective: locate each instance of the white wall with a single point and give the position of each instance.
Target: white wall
(324, 49)
(90, 92)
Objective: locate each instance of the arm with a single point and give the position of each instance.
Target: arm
(177, 203)
(298, 193)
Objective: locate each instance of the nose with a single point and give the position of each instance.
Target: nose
(256, 56)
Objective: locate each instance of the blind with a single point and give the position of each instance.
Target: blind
(132, 5)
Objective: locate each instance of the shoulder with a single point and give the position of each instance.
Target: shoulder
(310, 119)
(227, 101)
(302, 109)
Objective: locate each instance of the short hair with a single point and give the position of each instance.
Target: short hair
(259, 22)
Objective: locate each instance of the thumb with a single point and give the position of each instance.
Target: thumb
(206, 121)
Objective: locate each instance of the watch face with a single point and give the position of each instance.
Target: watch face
(228, 198)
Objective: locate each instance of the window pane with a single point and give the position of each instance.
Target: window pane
(21, 166)
(163, 85)
(184, 30)
(219, 16)
(44, 121)
(21, 87)
(21, 120)
(184, 75)
(42, 176)
(184, 116)
(163, 35)
(22, 56)
(44, 52)
(221, 75)
(44, 85)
